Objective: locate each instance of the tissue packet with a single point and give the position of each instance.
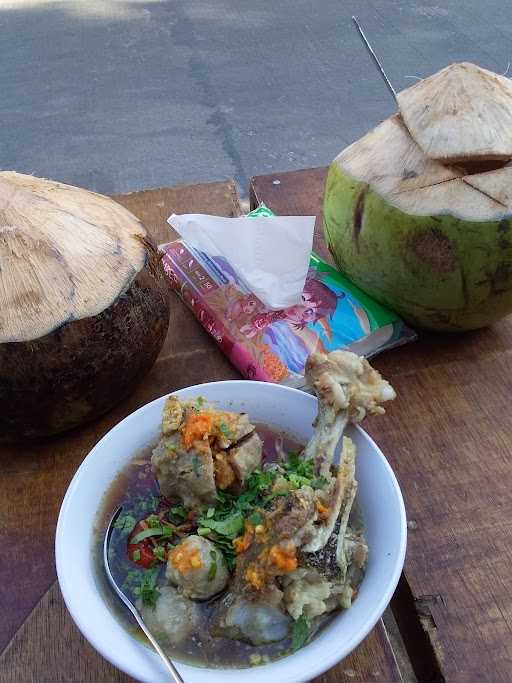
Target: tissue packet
(270, 345)
(254, 246)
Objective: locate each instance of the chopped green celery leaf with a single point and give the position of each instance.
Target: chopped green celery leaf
(295, 464)
(159, 553)
(143, 584)
(225, 520)
(230, 526)
(147, 589)
(229, 556)
(300, 633)
(146, 533)
(225, 430)
(136, 555)
(125, 524)
(153, 503)
(297, 480)
(144, 505)
(246, 499)
(177, 511)
(133, 578)
(225, 547)
(255, 518)
(153, 521)
(261, 480)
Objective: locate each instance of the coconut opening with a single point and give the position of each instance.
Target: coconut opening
(392, 164)
(473, 167)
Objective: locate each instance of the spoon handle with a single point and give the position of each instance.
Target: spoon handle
(170, 666)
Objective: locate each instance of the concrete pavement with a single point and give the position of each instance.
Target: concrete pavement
(121, 95)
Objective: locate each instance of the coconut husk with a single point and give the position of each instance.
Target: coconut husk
(460, 113)
(65, 254)
(83, 305)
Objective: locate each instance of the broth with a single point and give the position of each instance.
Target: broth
(136, 489)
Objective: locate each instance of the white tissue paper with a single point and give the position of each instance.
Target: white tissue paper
(271, 254)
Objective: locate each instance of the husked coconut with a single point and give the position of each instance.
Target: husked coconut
(418, 211)
(83, 305)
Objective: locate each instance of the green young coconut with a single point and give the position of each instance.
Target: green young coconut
(430, 239)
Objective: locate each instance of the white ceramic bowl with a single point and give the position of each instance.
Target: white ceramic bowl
(288, 409)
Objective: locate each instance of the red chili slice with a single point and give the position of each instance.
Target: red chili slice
(145, 556)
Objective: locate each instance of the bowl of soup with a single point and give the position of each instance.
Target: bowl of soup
(253, 574)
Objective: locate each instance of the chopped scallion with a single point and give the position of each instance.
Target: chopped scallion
(125, 524)
(212, 572)
(159, 553)
(300, 633)
(255, 519)
(147, 533)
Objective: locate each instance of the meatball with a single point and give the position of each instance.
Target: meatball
(252, 622)
(246, 457)
(174, 617)
(197, 568)
(187, 475)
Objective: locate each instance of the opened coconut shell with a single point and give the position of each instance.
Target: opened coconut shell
(461, 113)
(83, 305)
(431, 240)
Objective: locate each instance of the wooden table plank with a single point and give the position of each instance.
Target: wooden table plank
(47, 646)
(449, 439)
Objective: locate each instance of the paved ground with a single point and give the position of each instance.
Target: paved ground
(118, 95)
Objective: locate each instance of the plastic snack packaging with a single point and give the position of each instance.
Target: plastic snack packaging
(273, 345)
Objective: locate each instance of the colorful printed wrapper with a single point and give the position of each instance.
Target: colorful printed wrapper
(273, 346)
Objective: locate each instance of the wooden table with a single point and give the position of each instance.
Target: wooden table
(38, 641)
(448, 437)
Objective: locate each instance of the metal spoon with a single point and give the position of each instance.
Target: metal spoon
(169, 665)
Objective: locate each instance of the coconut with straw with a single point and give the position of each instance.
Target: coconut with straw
(418, 211)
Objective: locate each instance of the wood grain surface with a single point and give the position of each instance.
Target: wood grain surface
(448, 437)
(39, 640)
